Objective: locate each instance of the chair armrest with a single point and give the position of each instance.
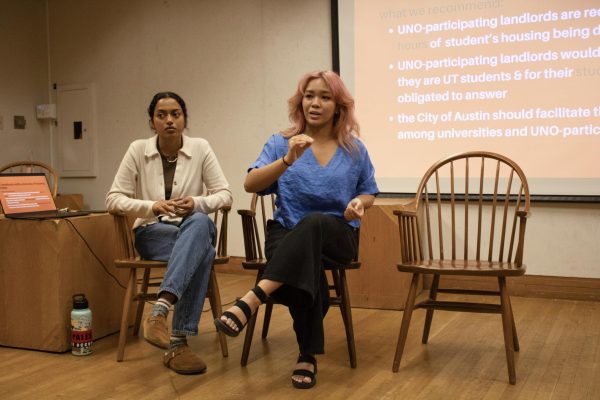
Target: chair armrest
(523, 214)
(221, 245)
(252, 247)
(408, 224)
(247, 213)
(407, 210)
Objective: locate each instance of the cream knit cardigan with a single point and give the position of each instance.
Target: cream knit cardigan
(139, 182)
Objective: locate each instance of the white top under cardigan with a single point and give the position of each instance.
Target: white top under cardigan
(139, 182)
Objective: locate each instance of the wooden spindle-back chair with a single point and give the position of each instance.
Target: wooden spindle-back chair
(255, 260)
(468, 218)
(140, 290)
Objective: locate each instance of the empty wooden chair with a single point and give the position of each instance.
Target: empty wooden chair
(255, 260)
(468, 218)
(139, 290)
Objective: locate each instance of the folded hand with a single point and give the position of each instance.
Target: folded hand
(179, 207)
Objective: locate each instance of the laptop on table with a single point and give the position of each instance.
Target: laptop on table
(28, 196)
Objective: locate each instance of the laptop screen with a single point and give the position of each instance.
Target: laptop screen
(24, 193)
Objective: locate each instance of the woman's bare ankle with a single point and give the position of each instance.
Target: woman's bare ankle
(252, 300)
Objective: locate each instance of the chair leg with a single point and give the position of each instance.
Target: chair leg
(125, 314)
(248, 338)
(267, 320)
(429, 315)
(517, 347)
(141, 303)
(215, 305)
(507, 327)
(408, 309)
(250, 329)
(346, 310)
(268, 312)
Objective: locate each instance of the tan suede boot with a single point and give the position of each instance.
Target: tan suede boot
(156, 331)
(183, 361)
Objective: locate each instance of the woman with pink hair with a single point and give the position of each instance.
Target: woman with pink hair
(324, 181)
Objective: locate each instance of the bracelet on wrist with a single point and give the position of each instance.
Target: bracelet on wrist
(285, 162)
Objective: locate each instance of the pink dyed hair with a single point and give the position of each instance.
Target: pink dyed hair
(345, 125)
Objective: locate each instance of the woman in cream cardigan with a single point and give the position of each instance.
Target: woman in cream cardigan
(161, 181)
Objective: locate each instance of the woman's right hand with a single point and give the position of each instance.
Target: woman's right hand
(164, 207)
(261, 178)
(297, 144)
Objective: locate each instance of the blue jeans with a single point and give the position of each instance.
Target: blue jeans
(189, 250)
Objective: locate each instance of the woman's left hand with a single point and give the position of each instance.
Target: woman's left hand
(183, 206)
(354, 210)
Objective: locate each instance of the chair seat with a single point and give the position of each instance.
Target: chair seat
(137, 262)
(256, 264)
(464, 267)
(261, 262)
(221, 260)
(350, 265)
(140, 263)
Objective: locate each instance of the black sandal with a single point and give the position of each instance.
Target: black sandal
(242, 305)
(304, 372)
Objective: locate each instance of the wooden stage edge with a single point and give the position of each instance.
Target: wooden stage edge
(552, 287)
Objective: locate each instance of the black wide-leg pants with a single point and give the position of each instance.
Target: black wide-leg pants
(295, 258)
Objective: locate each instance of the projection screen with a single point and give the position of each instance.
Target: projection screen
(434, 78)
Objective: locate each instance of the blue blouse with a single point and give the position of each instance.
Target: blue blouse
(307, 186)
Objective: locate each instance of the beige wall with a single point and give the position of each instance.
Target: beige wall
(235, 63)
(563, 240)
(24, 81)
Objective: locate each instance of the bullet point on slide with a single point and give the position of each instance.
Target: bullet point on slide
(391, 30)
(391, 66)
(391, 119)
